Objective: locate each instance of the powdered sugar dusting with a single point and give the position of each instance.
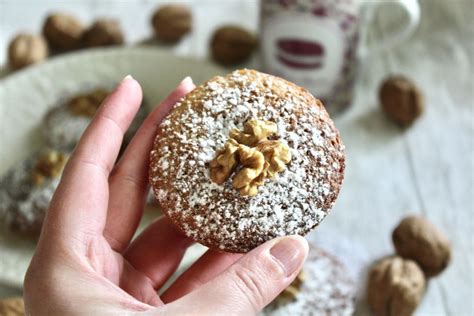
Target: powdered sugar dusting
(327, 289)
(62, 129)
(23, 205)
(217, 215)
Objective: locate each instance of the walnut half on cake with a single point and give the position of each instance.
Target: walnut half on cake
(245, 158)
(65, 123)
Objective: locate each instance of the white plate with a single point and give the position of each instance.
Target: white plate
(27, 95)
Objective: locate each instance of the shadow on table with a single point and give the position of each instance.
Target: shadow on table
(368, 131)
(376, 123)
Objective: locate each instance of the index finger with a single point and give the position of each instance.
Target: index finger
(80, 202)
(128, 181)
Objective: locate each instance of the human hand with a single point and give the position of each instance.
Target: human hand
(86, 261)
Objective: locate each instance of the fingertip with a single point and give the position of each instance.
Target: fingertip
(188, 81)
(185, 86)
(131, 84)
(289, 253)
(297, 241)
(302, 242)
(127, 77)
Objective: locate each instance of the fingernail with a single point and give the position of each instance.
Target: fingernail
(127, 77)
(290, 253)
(187, 81)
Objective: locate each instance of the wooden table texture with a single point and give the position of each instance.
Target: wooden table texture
(426, 169)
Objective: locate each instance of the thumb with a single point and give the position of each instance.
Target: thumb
(251, 283)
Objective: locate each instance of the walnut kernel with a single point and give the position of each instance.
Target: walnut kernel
(48, 165)
(26, 49)
(87, 104)
(13, 306)
(291, 292)
(418, 239)
(63, 31)
(254, 132)
(231, 45)
(259, 163)
(104, 32)
(224, 162)
(171, 22)
(250, 176)
(395, 287)
(276, 154)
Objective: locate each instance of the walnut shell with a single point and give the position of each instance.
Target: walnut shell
(171, 22)
(63, 31)
(232, 45)
(401, 100)
(26, 49)
(418, 239)
(13, 306)
(395, 287)
(104, 32)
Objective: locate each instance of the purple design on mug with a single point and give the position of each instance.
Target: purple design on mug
(313, 43)
(300, 54)
(320, 11)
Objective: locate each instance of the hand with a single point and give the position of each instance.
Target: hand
(86, 262)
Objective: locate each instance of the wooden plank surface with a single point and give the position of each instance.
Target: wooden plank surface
(426, 169)
(440, 149)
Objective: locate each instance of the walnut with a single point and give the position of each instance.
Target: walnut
(276, 154)
(48, 165)
(395, 287)
(291, 292)
(13, 306)
(171, 22)
(250, 176)
(224, 162)
(87, 104)
(401, 100)
(63, 31)
(418, 239)
(254, 132)
(104, 32)
(231, 45)
(258, 163)
(26, 49)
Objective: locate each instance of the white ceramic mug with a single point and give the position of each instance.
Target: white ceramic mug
(321, 44)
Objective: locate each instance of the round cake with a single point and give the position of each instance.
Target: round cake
(27, 188)
(64, 124)
(246, 158)
(324, 287)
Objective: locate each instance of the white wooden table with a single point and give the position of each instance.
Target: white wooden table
(426, 169)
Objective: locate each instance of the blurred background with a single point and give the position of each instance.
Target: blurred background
(396, 77)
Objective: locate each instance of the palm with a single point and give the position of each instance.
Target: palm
(115, 268)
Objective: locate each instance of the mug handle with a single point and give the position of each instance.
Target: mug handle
(412, 10)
